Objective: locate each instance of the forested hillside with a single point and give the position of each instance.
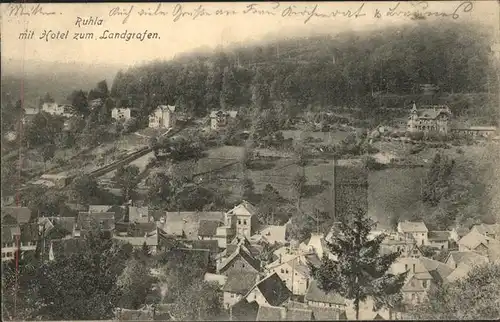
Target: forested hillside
(323, 71)
(58, 79)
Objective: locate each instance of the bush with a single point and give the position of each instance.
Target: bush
(371, 164)
(417, 136)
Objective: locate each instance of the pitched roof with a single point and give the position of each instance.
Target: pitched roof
(208, 228)
(211, 245)
(21, 214)
(245, 311)
(473, 239)
(170, 108)
(413, 226)
(67, 223)
(85, 219)
(177, 223)
(274, 290)
(438, 235)
(432, 113)
(438, 270)
(242, 252)
(315, 294)
(243, 209)
(118, 211)
(140, 229)
(488, 229)
(274, 233)
(460, 272)
(240, 282)
(270, 313)
(467, 258)
(151, 240)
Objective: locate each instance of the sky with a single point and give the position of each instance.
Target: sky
(178, 30)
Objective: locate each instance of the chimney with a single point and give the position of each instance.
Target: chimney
(281, 258)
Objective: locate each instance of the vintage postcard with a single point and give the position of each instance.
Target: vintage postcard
(250, 161)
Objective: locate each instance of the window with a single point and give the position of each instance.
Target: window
(424, 284)
(287, 271)
(243, 265)
(3, 255)
(282, 271)
(239, 222)
(442, 246)
(244, 222)
(413, 268)
(413, 297)
(406, 267)
(422, 241)
(232, 295)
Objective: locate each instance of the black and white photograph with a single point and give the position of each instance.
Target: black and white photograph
(250, 161)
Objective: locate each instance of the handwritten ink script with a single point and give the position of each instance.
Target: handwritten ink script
(186, 12)
(415, 10)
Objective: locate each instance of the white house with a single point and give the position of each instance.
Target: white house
(414, 229)
(271, 290)
(293, 270)
(121, 113)
(56, 109)
(163, 117)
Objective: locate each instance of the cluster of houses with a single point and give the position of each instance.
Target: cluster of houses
(259, 285)
(435, 119)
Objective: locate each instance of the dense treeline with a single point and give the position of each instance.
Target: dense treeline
(321, 71)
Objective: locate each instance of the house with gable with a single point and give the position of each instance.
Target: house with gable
(491, 231)
(85, 221)
(243, 218)
(315, 297)
(22, 237)
(429, 119)
(16, 215)
(414, 229)
(292, 269)
(119, 212)
(237, 285)
(439, 239)
(220, 119)
(418, 279)
(271, 290)
(455, 258)
(122, 114)
(151, 240)
(476, 242)
(438, 270)
(244, 311)
(241, 260)
(163, 117)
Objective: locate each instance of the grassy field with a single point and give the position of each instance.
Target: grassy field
(325, 137)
